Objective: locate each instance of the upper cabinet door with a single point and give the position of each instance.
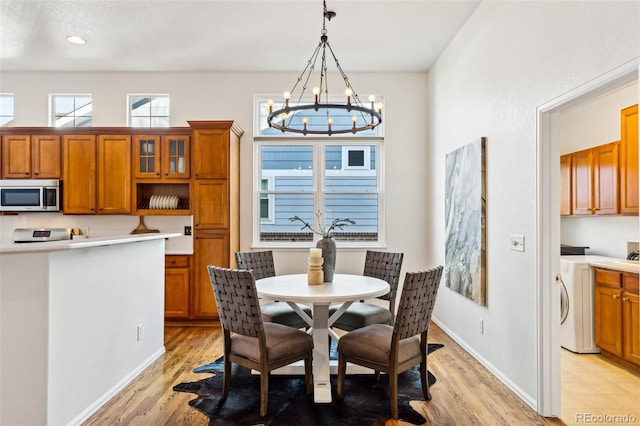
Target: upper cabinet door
(211, 153)
(114, 185)
(605, 179)
(582, 182)
(16, 157)
(176, 157)
(162, 157)
(565, 185)
(79, 174)
(146, 156)
(36, 156)
(46, 156)
(629, 160)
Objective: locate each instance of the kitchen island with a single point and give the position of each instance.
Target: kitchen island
(79, 320)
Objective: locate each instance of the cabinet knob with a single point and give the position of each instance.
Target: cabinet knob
(615, 296)
(625, 299)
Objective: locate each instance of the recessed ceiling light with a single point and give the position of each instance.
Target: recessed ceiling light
(76, 40)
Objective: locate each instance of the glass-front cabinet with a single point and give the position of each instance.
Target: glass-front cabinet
(162, 157)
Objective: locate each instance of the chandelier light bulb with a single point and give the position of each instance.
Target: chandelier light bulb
(348, 92)
(330, 121)
(380, 106)
(305, 120)
(287, 95)
(270, 104)
(372, 98)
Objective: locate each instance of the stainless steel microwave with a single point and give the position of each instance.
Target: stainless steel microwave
(30, 195)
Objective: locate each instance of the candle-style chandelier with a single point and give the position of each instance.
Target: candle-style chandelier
(323, 117)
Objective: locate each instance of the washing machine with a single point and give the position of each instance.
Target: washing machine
(577, 329)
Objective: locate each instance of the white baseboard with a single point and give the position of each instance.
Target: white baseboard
(528, 399)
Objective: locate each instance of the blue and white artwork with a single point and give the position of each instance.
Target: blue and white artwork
(465, 221)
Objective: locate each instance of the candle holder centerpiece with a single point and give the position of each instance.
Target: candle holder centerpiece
(326, 243)
(315, 274)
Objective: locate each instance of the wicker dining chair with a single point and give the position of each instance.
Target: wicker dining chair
(377, 264)
(262, 265)
(255, 344)
(394, 349)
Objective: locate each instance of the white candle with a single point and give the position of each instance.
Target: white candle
(316, 252)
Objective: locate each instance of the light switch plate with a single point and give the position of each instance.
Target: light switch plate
(516, 242)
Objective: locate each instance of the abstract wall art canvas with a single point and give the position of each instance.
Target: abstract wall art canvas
(465, 217)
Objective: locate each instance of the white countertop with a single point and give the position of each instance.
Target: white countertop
(83, 243)
(618, 264)
(606, 262)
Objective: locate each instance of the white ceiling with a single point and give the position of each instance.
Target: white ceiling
(217, 35)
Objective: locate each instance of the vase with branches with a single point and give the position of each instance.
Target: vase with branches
(327, 244)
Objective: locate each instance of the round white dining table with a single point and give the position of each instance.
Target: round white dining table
(344, 289)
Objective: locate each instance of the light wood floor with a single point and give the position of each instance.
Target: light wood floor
(592, 385)
(465, 393)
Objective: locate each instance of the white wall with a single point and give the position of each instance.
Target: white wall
(509, 58)
(590, 124)
(224, 96)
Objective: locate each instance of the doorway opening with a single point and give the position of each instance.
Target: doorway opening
(548, 225)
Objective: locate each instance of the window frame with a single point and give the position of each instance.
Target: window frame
(130, 116)
(5, 114)
(52, 109)
(318, 193)
(270, 198)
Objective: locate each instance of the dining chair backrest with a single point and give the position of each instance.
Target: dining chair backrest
(261, 262)
(416, 302)
(386, 266)
(237, 300)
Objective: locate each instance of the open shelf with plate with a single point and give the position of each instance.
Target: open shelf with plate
(162, 198)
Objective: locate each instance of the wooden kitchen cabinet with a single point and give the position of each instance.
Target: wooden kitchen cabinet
(565, 185)
(629, 160)
(594, 179)
(216, 204)
(631, 319)
(212, 204)
(94, 176)
(162, 156)
(114, 186)
(31, 157)
(209, 249)
(616, 316)
(177, 276)
(211, 150)
(79, 174)
(161, 166)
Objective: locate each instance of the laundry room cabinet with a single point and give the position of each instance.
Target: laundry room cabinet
(616, 316)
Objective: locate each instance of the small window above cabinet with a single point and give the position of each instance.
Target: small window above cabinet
(162, 156)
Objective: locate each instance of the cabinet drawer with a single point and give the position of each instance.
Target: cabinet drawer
(176, 261)
(630, 282)
(608, 277)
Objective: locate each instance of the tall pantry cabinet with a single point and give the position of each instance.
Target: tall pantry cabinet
(216, 214)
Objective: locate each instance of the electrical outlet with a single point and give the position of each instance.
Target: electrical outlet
(187, 230)
(516, 242)
(481, 326)
(139, 336)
